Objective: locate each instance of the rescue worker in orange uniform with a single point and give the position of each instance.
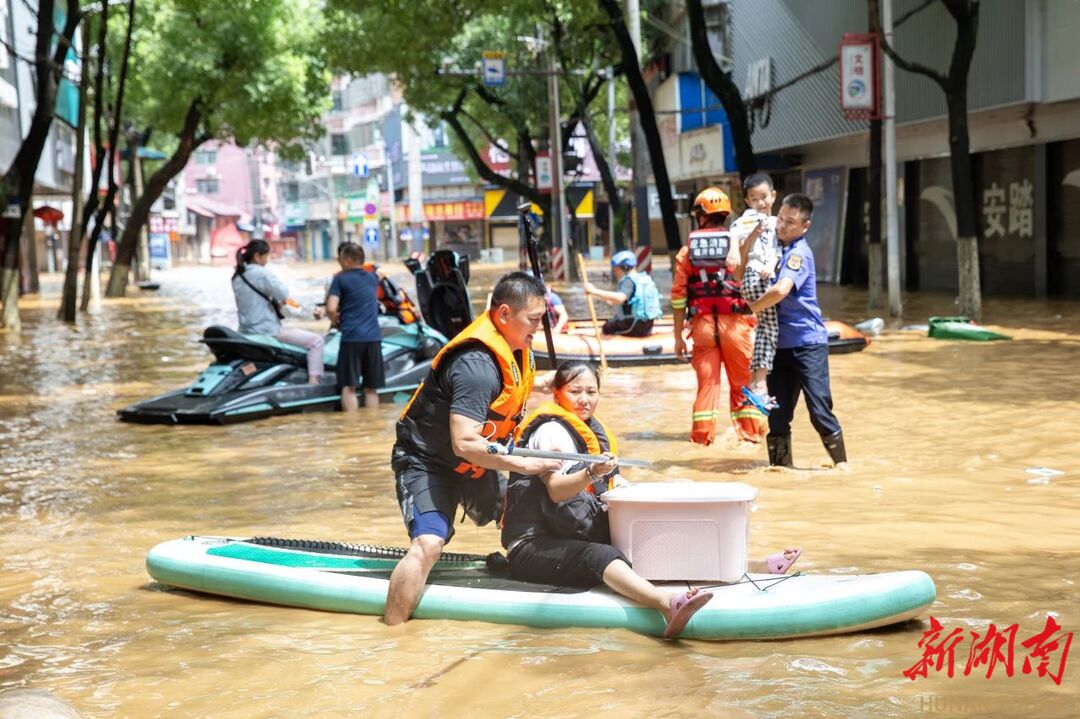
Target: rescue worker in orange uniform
(721, 325)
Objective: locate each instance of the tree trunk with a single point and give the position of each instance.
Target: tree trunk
(91, 278)
(963, 181)
(18, 181)
(967, 228)
(725, 89)
(640, 92)
(142, 267)
(140, 211)
(114, 144)
(9, 281)
(77, 232)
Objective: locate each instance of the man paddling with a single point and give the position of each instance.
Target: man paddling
(475, 395)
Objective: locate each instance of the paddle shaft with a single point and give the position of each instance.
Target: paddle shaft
(534, 259)
(587, 458)
(592, 313)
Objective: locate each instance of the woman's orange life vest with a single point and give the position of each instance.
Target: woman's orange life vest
(517, 383)
(585, 433)
(710, 288)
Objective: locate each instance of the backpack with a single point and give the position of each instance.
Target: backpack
(645, 304)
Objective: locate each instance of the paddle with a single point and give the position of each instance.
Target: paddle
(544, 454)
(592, 313)
(534, 260)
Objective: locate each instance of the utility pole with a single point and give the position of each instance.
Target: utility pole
(891, 220)
(256, 194)
(335, 235)
(558, 223)
(611, 155)
(391, 241)
(874, 254)
(638, 153)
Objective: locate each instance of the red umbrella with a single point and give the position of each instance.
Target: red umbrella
(49, 215)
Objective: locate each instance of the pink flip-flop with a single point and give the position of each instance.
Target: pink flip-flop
(684, 606)
(779, 564)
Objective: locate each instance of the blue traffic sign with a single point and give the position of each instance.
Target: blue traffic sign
(371, 236)
(360, 166)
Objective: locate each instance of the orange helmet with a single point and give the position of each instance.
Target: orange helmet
(712, 200)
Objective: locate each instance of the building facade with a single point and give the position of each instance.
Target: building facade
(1024, 121)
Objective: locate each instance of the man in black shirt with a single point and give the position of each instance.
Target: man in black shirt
(474, 396)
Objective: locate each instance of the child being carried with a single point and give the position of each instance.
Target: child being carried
(755, 232)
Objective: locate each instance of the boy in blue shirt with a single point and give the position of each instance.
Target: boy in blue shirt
(802, 352)
(353, 305)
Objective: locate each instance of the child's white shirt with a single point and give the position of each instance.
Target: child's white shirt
(765, 252)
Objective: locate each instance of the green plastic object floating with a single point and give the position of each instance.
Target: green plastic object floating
(337, 577)
(962, 328)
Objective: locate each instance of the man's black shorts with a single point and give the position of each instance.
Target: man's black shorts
(358, 360)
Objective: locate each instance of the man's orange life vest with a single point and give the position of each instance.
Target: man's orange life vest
(506, 410)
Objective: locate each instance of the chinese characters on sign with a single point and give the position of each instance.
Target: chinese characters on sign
(1047, 651)
(449, 211)
(1008, 211)
(858, 75)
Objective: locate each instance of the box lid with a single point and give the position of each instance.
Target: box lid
(657, 492)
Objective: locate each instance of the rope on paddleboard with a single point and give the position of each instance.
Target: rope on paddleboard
(746, 579)
(356, 550)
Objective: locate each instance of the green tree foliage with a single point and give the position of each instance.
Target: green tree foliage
(413, 40)
(249, 71)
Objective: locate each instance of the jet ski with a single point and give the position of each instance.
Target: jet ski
(255, 376)
(442, 288)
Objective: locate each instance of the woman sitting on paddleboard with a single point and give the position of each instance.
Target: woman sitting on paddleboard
(555, 528)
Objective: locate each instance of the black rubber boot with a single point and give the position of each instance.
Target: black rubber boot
(834, 445)
(780, 450)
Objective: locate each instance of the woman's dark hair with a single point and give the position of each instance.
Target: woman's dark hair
(572, 369)
(246, 253)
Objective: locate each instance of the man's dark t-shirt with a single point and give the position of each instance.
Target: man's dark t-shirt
(357, 291)
(471, 380)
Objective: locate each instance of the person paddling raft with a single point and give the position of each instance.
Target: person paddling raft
(555, 529)
(474, 396)
(636, 298)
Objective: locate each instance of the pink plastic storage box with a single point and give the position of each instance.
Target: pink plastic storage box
(683, 530)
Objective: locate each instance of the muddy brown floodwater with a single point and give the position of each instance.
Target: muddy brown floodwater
(941, 436)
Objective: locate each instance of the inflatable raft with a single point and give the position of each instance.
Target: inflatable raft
(338, 577)
(579, 343)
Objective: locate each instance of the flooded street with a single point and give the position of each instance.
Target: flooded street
(940, 435)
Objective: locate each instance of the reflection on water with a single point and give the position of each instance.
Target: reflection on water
(940, 435)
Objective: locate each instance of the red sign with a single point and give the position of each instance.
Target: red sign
(458, 211)
(859, 77)
(498, 160)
